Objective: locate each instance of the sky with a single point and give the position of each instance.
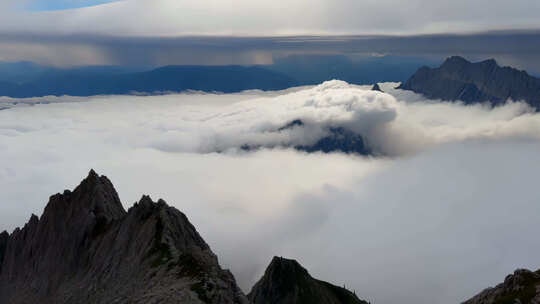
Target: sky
(66, 33)
(267, 17)
(51, 5)
(517, 49)
(435, 218)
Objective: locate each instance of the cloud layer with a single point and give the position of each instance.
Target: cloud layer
(243, 17)
(449, 210)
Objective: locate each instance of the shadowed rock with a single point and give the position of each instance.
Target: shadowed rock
(376, 87)
(338, 139)
(87, 249)
(459, 79)
(522, 287)
(287, 282)
(4, 237)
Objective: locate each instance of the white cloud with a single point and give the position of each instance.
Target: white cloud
(453, 212)
(243, 17)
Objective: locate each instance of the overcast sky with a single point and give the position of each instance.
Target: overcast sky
(268, 17)
(166, 32)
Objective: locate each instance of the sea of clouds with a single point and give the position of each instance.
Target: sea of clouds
(447, 205)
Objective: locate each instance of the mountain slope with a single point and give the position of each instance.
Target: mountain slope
(522, 287)
(459, 79)
(87, 249)
(86, 82)
(287, 282)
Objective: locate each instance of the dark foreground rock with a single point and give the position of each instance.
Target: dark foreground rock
(87, 249)
(287, 282)
(522, 287)
(459, 79)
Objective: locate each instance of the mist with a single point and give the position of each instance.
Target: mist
(447, 206)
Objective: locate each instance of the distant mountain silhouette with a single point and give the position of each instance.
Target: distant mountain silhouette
(459, 79)
(27, 79)
(87, 82)
(287, 282)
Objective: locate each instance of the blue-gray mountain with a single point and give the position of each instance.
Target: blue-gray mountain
(26, 79)
(108, 80)
(86, 248)
(459, 79)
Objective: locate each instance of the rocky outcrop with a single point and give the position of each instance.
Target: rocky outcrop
(337, 139)
(522, 287)
(287, 282)
(4, 237)
(376, 87)
(459, 79)
(87, 249)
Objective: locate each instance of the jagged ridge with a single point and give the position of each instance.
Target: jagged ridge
(87, 249)
(522, 287)
(459, 79)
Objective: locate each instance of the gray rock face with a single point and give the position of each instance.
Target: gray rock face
(459, 79)
(87, 249)
(522, 287)
(287, 282)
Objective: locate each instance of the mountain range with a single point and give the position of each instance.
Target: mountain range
(86, 248)
(226, 79)
(26, 79)
(485, 81)
(456, 79)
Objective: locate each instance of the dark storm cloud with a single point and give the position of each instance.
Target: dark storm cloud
(520, 49)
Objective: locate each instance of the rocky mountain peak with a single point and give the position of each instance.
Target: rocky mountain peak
(485, 81)
(94, 200)
(172, 228)
(87, 249)
(285, 281)
(521, 287)
(338, 138)
(455, 61)
(489, 62)
(286, 268)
